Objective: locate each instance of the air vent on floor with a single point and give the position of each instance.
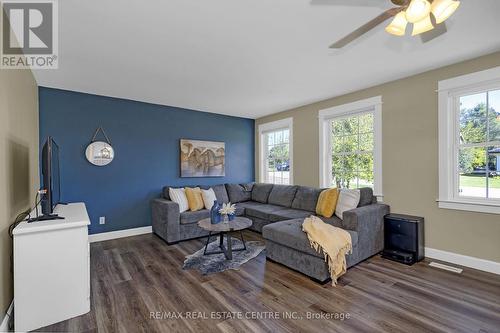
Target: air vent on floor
(446, 267)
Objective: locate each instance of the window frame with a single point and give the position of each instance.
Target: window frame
(370, 105)
(449, 93)
(286, 123)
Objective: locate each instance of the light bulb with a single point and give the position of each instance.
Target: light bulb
(417, 10)
(422, 26)
(442, 9)
(398, 25)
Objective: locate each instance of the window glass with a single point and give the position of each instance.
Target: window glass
(352, 151)
(473, 118)
(472, 172)
(494, 115)
(278, 157)
(478, 148)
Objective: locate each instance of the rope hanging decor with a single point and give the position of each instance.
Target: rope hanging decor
(100, 129)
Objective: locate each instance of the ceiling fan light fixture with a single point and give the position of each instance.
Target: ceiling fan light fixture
(442, 9)
(422, 26)
(398, 25)
(417, 10)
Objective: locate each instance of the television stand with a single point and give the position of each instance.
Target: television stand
(51, 269)
(45, 217)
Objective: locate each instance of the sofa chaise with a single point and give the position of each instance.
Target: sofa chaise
(277, 211)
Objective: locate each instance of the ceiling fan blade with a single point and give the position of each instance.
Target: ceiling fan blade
(438, 30)
(350, 3)
(366, 27)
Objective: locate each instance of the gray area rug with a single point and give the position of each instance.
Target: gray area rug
(214, 263)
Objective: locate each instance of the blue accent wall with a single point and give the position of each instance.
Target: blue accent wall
(145, 138)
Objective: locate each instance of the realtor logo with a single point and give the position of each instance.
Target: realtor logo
(29, 34)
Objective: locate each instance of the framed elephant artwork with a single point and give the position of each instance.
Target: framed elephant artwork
(202, 158)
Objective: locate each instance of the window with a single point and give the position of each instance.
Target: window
(276, 152)
(352, 151)
(479, 145)
(469, 142)
(350, 145)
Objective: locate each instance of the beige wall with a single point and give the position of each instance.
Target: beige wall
(410, 157)
(18, 161)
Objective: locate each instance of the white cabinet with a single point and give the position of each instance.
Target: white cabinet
(52, 269)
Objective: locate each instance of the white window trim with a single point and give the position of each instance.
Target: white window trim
(286, 123)
(448, 91)
(374, 105)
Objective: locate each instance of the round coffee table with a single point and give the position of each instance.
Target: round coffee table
(223, 228)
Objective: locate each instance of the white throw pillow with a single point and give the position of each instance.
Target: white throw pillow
(178, 195)
(208, 198)
(348, 199)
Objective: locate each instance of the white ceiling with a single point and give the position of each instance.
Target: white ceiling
(247, 58)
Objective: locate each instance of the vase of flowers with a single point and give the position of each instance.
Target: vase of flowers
(228, 212)
(214, 213)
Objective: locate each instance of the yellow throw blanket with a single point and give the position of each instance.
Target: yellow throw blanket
(334, 242)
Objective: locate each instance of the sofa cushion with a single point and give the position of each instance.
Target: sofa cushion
(251, 204)
(334, 220)
(288, 214)
(166, 191)
(194, 198)
(239, 192)
(365, 196)
(166, 195)
(260, 192)
(282, 195)
(262, 212)
(178, 195)
(193, 217)
(239, 210)
(208, 197)
(348, 199)
(306, 198)
(289, 233)
(327, 202)
(241, 206)
(220, 192)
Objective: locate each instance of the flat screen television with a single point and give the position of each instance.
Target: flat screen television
(50, 176)
(50, 182)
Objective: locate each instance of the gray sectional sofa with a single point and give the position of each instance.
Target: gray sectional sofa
(277, 211)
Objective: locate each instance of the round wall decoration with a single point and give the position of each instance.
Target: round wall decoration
(100, 153)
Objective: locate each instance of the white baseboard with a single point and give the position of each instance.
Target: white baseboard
(4, 327)
(119, 234)
(460, 259)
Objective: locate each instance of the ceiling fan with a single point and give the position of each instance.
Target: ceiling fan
(425, 15)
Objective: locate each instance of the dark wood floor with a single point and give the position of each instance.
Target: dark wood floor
(132, 277)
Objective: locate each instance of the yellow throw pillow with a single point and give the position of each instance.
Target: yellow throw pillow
(327, 202)
(194, 198)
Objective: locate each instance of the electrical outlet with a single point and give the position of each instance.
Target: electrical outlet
(102, 220)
